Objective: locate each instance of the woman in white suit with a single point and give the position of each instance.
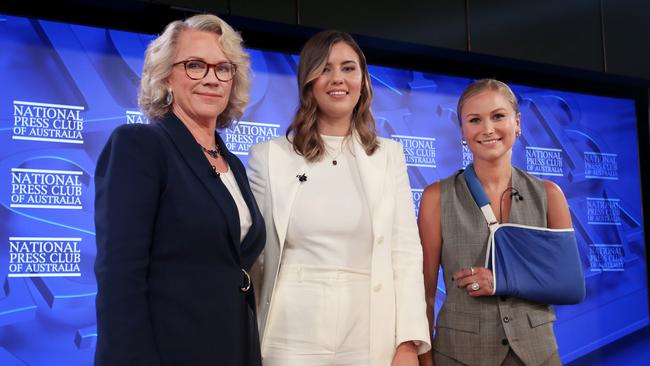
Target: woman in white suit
(342, 279)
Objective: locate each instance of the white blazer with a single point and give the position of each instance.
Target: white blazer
(397, 305)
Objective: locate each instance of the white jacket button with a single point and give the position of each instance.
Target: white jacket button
(380, 240)
(376, 287)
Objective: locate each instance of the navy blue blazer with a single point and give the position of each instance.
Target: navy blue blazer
(169, 259)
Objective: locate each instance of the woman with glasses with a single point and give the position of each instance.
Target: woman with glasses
(177, 225)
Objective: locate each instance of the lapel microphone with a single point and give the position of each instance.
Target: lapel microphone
(302, 177)
(513, 193)
(215, 173)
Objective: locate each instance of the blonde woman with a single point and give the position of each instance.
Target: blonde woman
(177, 224)
(474, 327)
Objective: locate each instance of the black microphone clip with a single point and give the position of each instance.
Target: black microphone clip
(215, 173)
(515, 193)
(302, 177)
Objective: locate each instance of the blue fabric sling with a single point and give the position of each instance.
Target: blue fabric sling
(532, 263)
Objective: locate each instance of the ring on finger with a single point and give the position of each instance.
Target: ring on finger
(474, 286)
(471, 269)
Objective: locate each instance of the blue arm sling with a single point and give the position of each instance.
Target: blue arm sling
(533, 263)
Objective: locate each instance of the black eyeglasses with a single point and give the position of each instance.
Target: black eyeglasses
(197, 69)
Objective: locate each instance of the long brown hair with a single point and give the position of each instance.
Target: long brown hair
(303, 130)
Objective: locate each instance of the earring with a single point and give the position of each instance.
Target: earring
(518, 133)
(169, 98)
(463, 141)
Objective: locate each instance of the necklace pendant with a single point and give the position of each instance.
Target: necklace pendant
(214, 154)
(334, 162)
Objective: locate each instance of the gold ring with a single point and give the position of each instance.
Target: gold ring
(471, 269)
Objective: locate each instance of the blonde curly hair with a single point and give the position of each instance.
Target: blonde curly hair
(160, 56)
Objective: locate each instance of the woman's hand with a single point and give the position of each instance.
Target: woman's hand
(477, 281)
(406, 355)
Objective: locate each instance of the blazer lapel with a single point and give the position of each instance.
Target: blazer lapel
(372, 170)
(191, 153)
(284, 167)
(247, 194)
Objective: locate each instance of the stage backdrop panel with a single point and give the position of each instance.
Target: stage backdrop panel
(66, 87)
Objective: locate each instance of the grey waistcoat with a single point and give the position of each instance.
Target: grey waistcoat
(480, 331)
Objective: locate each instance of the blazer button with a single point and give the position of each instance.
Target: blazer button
(377, 287)
(380, 240)
(506, 319)
(504, 342)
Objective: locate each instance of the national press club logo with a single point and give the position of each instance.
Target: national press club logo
(46, 189)
(601, 165)
(47, 122)
(44, 257)
(544, 161)
(419, 151)
(243, 134)
(603, 211)
(606, 257)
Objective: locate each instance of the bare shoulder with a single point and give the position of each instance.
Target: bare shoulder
(558, 214)
(432, 192)
(430, 201)
(553, 191)
(429, 224)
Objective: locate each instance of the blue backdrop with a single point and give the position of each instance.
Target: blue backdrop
(66, 87)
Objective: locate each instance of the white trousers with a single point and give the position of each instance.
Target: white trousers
(319, 316)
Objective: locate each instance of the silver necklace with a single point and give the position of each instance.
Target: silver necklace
(336, 157)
